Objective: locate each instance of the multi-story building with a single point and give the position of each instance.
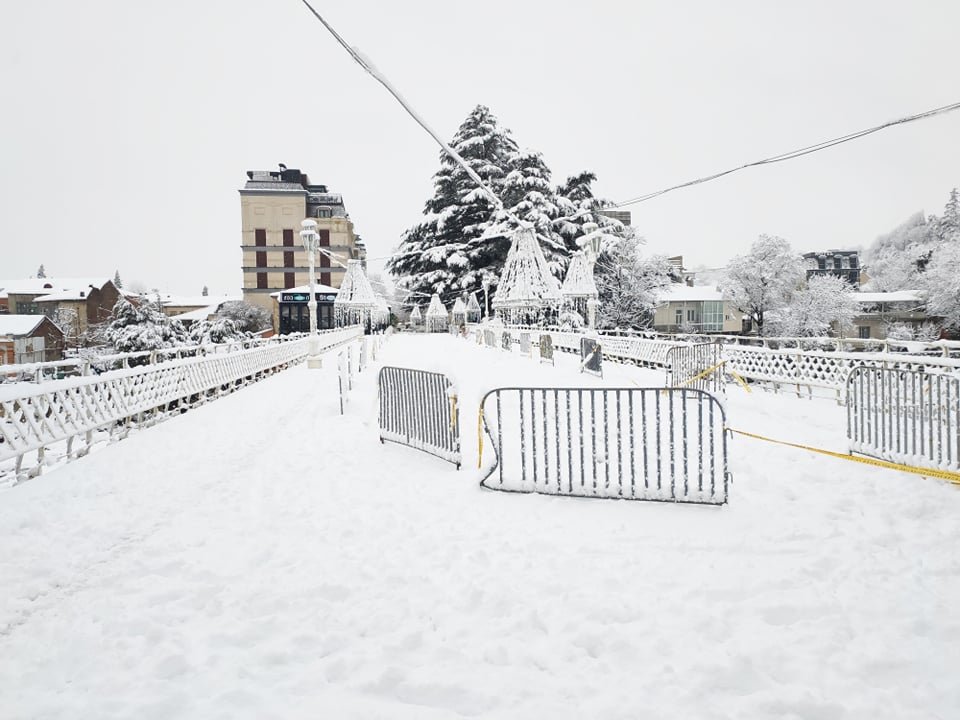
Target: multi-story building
(273, 203)
(842, 263)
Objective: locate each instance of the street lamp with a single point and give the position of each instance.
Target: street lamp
(311, 242)
(591, 248)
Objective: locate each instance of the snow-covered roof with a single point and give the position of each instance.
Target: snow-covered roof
(65, 296)
(355, 288)
(578, 281)
(48, 285)
(679, 292)
(866, 298)
(195, 301)
(317, 287)
(12, 325)
(436, 308)
(198, 314)
(525, 280)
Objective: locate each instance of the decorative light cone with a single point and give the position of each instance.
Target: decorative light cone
(437, 317)
(356, 301)
(527, 292)
(473, 309)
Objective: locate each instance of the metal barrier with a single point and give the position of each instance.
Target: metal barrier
(905, 416)
(631, 443)
(695, 366)
(419, 409)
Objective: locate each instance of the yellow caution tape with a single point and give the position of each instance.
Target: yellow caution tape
(741, 381)
(953, 478)
(703, 374)
(480, 438)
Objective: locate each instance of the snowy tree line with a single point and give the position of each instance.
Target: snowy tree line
(769, 286)
(142, 326)
(461, 243)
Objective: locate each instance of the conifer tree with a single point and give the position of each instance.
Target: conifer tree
(452, 248)
(41, 273)
(116, 279)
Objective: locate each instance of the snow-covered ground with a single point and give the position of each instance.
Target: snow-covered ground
(264, 557)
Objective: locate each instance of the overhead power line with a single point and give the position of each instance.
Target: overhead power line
(368, 66)
(794, 153)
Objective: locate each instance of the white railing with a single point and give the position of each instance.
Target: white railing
(37, 417)
(820, 369)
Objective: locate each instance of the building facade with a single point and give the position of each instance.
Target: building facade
(697, 309)
(272, 205)
(844, 264)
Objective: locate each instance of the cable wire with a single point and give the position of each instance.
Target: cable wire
(794, 153)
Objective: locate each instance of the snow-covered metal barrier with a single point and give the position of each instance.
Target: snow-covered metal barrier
(41, 417)
(635, 350)
(909, 417)
(696, 366)
(630, 443)
(419, 409)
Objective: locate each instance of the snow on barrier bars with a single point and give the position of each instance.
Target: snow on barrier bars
(419, 409)
(60, 411)
(695, 366)
(905, 416)
(630, 443)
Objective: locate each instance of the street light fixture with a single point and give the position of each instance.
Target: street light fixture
(311, 241)
(590, 242)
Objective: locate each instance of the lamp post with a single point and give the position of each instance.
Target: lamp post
(310, 243)
(591, 248)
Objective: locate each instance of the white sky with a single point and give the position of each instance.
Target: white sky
(127, 128)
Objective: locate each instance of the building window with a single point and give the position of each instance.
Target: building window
(712, 316)
(325, 279)
(864, 332)
(691, 315)
(324, 260)
(289, 280)
(260, 237)
(322, 213)
(287, 237)
(288, 259)
(837, 263)
(853, 261)
(324, 237)
(261, 259)
(678, 317)
(261, 281)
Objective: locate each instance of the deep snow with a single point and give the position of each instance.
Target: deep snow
(264, 557)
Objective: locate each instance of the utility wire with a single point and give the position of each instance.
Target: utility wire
(362, 62)
(794, 153)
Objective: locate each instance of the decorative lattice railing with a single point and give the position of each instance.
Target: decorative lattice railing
(59, 412)
(813, 369)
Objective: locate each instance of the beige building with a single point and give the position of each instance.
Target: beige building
(698, 308)
(273, 203)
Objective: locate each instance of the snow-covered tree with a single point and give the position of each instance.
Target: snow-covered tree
(143, 326)
(762, 280)
(452, 248)
(205, 291)
(116, 279)
(940, 284)
(579, 206)
(628, 285)
(246, 317)
(895, 259)
(68, 320)
(218, 330)
(527, 196)
(812, 310)
(41, 272)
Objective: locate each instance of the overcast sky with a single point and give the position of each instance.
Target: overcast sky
(127, 127)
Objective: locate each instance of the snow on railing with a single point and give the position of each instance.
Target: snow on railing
(95, 364)
(54, 414)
